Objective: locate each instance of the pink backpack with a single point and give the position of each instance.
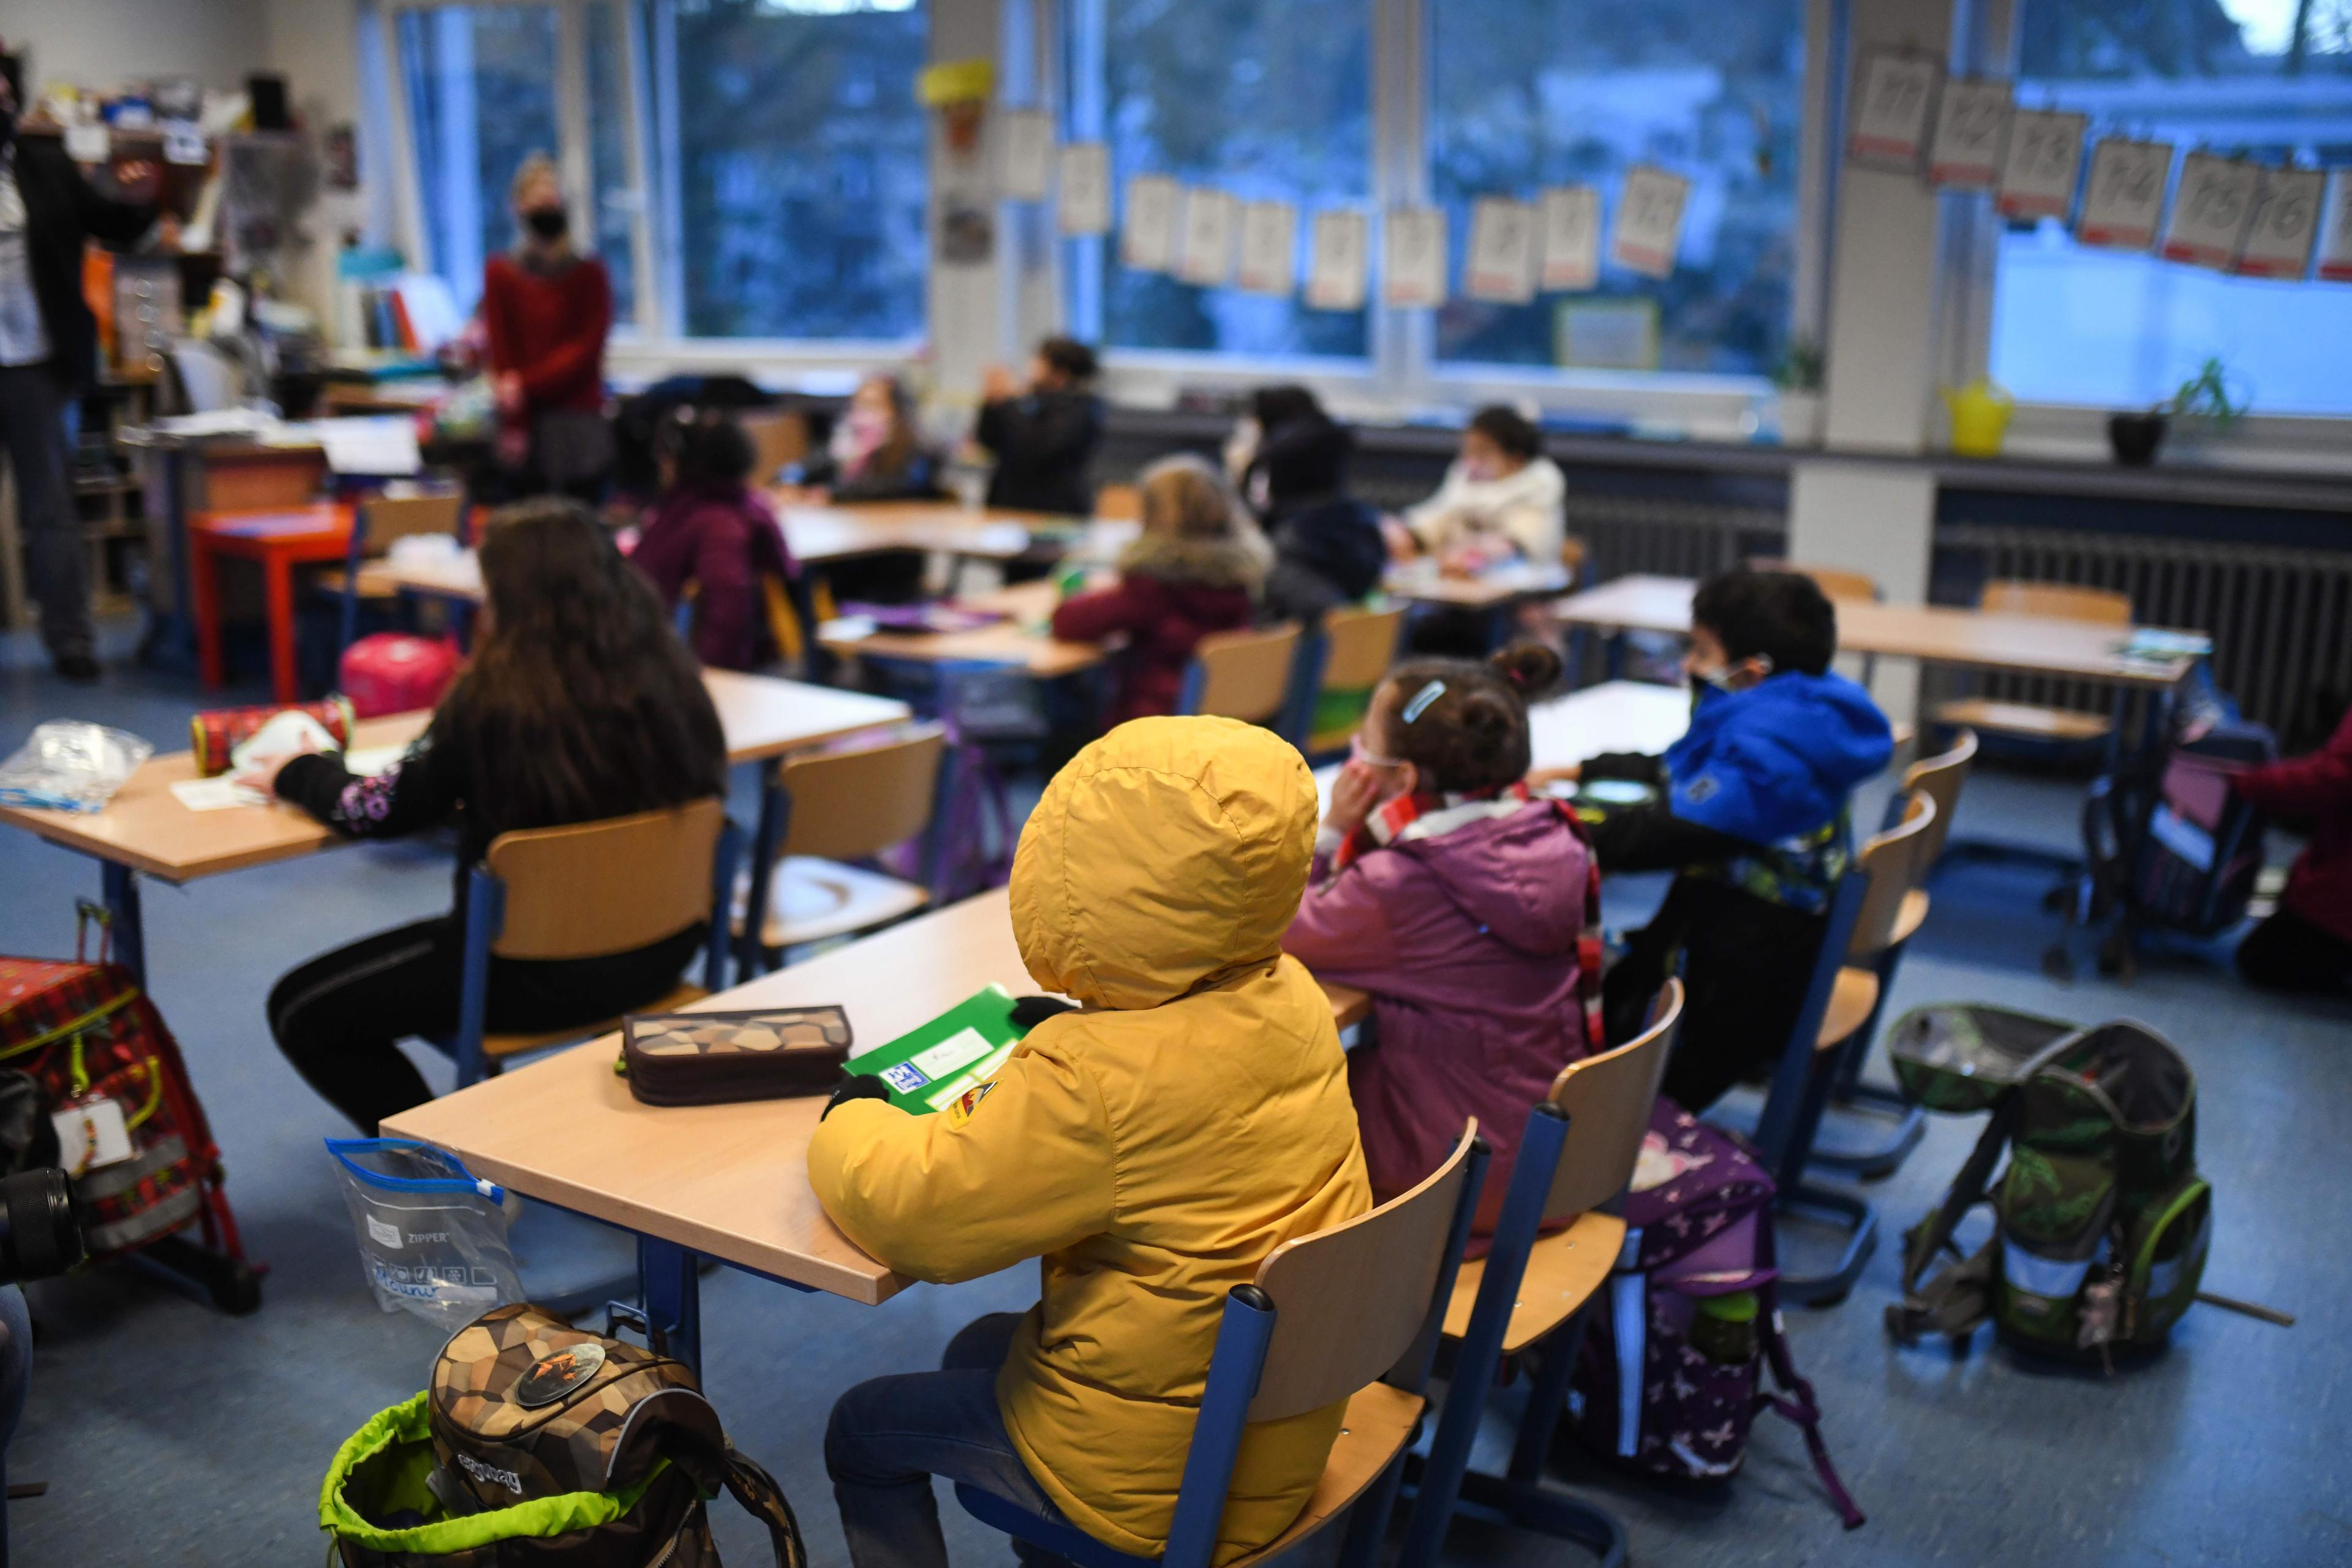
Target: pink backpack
(392, 672)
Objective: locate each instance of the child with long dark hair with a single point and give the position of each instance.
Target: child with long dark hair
(579, 704)
(713, 530)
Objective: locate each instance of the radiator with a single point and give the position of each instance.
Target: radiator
(1670, 538)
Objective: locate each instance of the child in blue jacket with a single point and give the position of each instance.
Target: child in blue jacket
(1753, 816)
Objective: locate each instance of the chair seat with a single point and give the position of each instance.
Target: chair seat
(811, 898)
(1378, 1426)
(1564, 1270)
(376, 580)
(2023, 719)
(1910, 917)
(1850, 1004)
(495, 1046)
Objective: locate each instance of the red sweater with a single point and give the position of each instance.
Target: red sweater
(2314, 791)
(550, 327)
(1163, 621)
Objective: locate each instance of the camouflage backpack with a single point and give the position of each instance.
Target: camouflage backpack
(542, 1445)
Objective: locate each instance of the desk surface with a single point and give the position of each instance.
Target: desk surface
(1421, 583)
(730, 1181)
(1012, 641)
(145, 827)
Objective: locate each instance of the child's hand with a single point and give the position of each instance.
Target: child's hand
(1353, 794)
(1403, 545)
(259, 775)
(1538, 777)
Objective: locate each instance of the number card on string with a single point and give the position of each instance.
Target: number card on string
(1146, 233)
(2123, 203)
(1413, 263)
(1269, 248)
(2039, 163)
(1026, 155)
(1339, 262)
(1502, 263)
(2336, 250)
(1082, 196)
(1571, 237)
(2209, 210)
(1965, 149)
(2285, 222)
(1895, 94)
(1204, 256)
(1649, 227)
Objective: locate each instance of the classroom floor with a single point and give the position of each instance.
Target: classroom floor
(170, 1434)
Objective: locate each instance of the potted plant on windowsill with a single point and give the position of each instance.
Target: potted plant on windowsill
(2205, 397)
(1799, 377)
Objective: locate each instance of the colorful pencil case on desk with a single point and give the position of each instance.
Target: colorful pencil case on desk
(922, 617)
(218, 731)
(714, 1059)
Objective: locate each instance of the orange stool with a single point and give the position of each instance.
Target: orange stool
(279, 540)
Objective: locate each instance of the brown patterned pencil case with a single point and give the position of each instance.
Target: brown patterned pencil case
(711, 1059)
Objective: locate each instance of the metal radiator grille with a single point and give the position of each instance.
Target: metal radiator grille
(1626, 534)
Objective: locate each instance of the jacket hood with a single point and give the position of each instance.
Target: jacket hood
(1238, 560)
(1168, 851)
(1521, 876)
(1776, 759)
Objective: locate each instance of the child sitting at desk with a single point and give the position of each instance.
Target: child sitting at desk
(713, 532)
(1149, 1150)
(579, 704)
(1043, 435)
(1502, 498)
(2306, 945)
(877, 452)
(1753, 819)
(1466, 906)
(1328, 549)
(1195, 569)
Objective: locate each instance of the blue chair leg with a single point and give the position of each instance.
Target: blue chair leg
(670, 1286)
(724, 858)
(485, 900)
(1370, 1524)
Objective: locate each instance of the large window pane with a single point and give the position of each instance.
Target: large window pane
(1264, 99)
(2267, 78)
(800, 167)
(1527, 93)
(613, 200)
(480, 86)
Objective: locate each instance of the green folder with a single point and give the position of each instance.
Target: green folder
(927, 1067)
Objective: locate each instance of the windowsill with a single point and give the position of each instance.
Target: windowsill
(813, 367)
(2266, 444)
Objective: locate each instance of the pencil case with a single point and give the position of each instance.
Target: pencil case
(217, 732)
(713, 1059)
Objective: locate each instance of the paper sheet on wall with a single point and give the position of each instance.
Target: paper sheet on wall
(1571, 237)
(1501, 265)
(89, 142)
(2039, 163)
(1894, 92)
(1649, 227)
(2285, 222)
(2336, 248)
(1339, 262)
(2122, 201)
(1269, 248)
(2209, 210)
(1412, 258)
(1026, 153)
(1205, 253)
(1146, 229)
(1081, 191)
(1965, 149)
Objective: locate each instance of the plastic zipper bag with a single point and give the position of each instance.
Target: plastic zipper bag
(67, 764)
(432, 1235)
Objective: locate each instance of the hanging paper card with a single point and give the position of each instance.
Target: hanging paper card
(1649, 223)
(1027, 153)
(1082, 196)
(1412, 265)
(1501, 264)
(1571, 236)
(2209, 210)
(1339, 262)
(1965, 149)
(2038, 164)
(1269, 248)
(2336, 250)
(1894, 93)
(89, 142)
(1147, 232)
(1204, 255)
(2285, 221)
(2122, 201)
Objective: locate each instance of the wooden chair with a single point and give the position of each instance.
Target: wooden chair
(1119, 503)
(778, 437)
(2036, 726)
(377, 523)
(1837, 582)
(840, 807)
(1344, 663)
(1528, 1294)
(1245, 675)
(1351, 1313)
(586, 891)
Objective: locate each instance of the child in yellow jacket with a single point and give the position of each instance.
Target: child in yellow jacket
(1149, 1150)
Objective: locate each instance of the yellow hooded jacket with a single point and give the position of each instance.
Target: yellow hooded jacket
(1150, 1150)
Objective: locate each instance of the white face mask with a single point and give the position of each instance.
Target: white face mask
(1241, 447)
(1479, 470)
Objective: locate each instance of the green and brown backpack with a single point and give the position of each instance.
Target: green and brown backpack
(543, 1446)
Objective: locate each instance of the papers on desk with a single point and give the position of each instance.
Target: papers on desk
(248, 422)
(2157, 645)
(222, 791)
(948, 1062)
(376, 446)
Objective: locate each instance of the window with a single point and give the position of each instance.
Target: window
(2270, 79)
(1528, 93)
(612, 195)
(1264, 99)
(480, 86)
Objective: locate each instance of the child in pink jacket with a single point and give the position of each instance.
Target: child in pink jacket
(1468, 907)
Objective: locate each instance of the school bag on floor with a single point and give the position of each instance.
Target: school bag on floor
(2100, 1222)
(543, 1446)
(1669, 1378)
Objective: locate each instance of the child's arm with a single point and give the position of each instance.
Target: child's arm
(420, 790)
(1653, 838)
(1634, 766)
(1343, 932)
(2305, 788)
(1091, 617)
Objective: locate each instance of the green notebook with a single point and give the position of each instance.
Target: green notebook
(928, 1068)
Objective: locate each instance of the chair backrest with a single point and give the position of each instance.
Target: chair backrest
(1120, 503)
(387, 518)
(2064, 601)
(1887, 860)
(1359, 646)
(599, 888)
(1608, 1099)
(1837, 582)
(847, 804)
(1349, 1301)
(778, 437)
(1241, 675)
(1939, 778)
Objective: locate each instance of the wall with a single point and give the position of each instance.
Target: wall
(105, 42)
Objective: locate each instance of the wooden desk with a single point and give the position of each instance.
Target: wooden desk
(1011, 641)
(1421, 583)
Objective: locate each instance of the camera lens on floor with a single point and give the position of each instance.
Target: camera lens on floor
(39, 1234)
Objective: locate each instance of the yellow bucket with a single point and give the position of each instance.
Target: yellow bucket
(1980, 417)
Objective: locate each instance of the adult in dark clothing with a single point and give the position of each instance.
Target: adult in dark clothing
(1043, 435)
(1327, 548)
(579, 704)
(48, 354)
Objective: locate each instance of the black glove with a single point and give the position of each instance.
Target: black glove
(864, 1086)
(1028, 1012)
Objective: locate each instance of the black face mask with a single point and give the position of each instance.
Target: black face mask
(548, 223)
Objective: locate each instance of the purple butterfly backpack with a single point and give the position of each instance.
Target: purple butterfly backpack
(1669, 1378)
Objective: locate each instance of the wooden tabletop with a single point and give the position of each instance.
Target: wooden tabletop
(145, 827)
(820, 533)
(1939, 634)
(729, 1181)
(1422, 583)
(1016, 640)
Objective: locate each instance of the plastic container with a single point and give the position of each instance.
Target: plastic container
(432, 1235)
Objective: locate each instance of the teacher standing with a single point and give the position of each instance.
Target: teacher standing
(546, 308)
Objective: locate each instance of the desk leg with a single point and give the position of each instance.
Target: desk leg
(168, 635)
(767, 839)
(278, 578)
(1616, 653)
(204, 609)
(672, 1292)
(121, 884)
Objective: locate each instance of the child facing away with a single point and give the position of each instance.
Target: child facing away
(1044, 432)
(1196, 568)
(1149, 1150)
(1753, 819)
(2306, 945)
(1466, 906)
(712, 530)
(1328, 549)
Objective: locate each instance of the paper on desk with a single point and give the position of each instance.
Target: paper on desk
(366, 762)
(219, 421)
(374, 445)
(217, 794)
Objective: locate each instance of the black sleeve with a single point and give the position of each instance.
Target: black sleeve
(420, 791)
(1632, 766)
(1041, 434)
(1653, 838)
(116, 224)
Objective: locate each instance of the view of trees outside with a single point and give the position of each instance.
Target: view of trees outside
(611, 198)
(1527, 93)
(480, 86)
(2268, 79)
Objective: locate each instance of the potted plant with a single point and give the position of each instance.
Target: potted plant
(1799, 377)
(2136, 438)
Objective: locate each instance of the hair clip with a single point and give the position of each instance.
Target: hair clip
(1423, 698)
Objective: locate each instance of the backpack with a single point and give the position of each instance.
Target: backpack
(1698, 1229)
(543, 1446)
(2177, 848)
(2100, 1222)
(393, 672)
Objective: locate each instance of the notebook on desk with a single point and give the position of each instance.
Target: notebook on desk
(930, 1068)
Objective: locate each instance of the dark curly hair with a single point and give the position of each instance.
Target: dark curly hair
(1784, 616)
(1472, 734)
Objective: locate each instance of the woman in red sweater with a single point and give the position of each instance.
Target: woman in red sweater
(546, 309)
(2308, 946)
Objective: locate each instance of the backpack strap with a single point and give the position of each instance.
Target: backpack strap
(1795, 1402)
(762, 1499)
(1591, 948)
(1932, 1234)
